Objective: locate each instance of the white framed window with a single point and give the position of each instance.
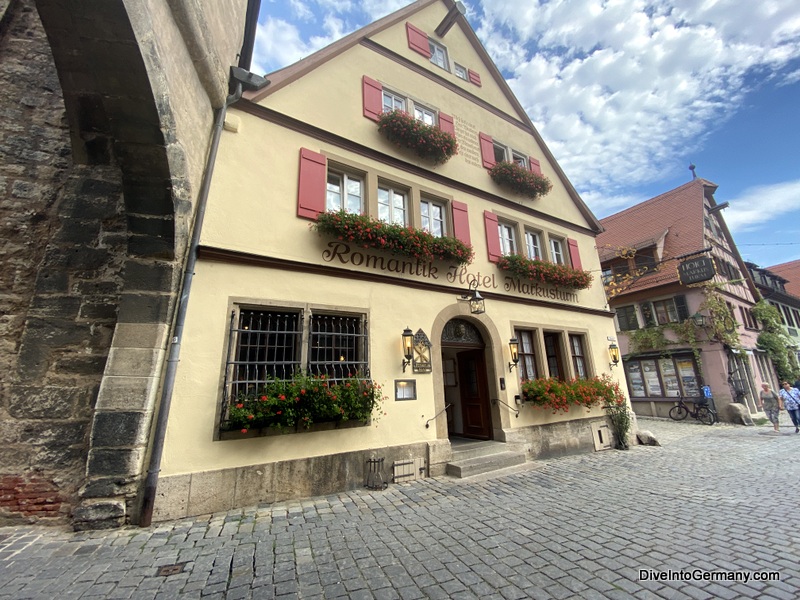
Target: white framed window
(392, 101)
(557, 251)
(439, 55)
(461, 72)
(426, 115)
(520, 159)
(508, 238)
(345, 192)
(392, 205)
(500, 152)
(533, 245)
(433, 217)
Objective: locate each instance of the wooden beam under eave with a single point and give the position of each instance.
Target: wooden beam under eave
(450, 19)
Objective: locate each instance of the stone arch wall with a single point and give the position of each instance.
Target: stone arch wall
(121, 136)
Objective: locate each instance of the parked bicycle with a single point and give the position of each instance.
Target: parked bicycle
(702, 412)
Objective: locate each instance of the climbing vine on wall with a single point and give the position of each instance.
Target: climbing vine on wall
(774, 341)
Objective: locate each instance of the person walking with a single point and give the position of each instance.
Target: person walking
(770, 403)
(791, 402)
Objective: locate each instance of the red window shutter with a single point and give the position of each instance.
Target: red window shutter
(311, 187)
(474, 77)
(373, 98)
(487, 150)
(418, 40)
(535, 165)
(460, 222)
(492, 236)
(574, 254)
(446, 123)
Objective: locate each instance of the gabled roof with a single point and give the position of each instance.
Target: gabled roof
(282, 77)
(790, 271)
(679, 212)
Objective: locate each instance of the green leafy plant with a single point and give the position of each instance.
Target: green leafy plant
(559, 395)
(397, 239)
(620, 418)
(520, 180)
(302, 401)
(546, 272)
(429, 142)
(775, 342)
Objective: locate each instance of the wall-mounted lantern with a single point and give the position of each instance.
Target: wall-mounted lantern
(513, 347)
(613, 355)
(408, 347)
(699, 320)
(476, 301)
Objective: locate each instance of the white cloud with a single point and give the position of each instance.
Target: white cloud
(628, 85)
(758, 206)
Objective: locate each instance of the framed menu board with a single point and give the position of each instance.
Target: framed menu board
(670, 377)
(650, 376)
(635, 380)
(688, 377)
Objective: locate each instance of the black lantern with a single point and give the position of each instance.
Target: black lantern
(513, 347)
(613, 355)
(699, 320)
(473, 296)
(408, 347)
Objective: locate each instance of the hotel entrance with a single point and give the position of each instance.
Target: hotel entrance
(466, 386)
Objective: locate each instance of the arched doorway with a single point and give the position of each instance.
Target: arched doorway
(466, 386)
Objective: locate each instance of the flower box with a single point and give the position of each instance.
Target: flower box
(396, 239)
(300, 403)
(428, 141)
(545, 272)
(559, 395)
(520, 180)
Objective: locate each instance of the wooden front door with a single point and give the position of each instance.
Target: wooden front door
(474, 394)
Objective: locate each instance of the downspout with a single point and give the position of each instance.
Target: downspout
(242, 79)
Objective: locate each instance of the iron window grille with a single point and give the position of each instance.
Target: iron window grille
(267, 344)
(338, 346)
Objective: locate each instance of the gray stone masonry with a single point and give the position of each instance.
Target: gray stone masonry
(711, 501)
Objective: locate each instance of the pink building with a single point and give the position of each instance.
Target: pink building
(680, 332)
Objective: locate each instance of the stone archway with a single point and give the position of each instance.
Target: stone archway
(139, 82)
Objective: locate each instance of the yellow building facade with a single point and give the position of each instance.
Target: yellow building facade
(273, 296)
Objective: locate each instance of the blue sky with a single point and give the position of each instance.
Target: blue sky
(628, 93)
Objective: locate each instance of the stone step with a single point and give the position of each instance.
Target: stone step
(464, 449)
(484, 464)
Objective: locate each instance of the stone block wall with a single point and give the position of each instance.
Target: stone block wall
(62, 249)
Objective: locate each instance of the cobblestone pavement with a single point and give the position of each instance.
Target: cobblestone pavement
(715, 501)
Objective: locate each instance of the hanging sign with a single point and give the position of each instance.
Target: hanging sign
(696, 270)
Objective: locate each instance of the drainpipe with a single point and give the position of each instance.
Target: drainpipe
(241, 79)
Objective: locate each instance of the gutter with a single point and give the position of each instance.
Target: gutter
(241, 80)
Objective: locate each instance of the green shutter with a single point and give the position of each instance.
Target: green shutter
(647, 313)
(682, 308)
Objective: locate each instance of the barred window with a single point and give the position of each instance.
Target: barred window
(265, 345)
(337, 346)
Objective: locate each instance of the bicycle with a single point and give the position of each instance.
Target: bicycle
(702, 412)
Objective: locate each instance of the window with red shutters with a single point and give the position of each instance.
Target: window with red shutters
(446, 123)
(492, 237)
(461, 222)
(373, 98)
(487, 150)
(311, 184)
(418, 40)
(574, 253)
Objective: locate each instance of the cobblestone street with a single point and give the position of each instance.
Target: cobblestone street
(719, 500)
